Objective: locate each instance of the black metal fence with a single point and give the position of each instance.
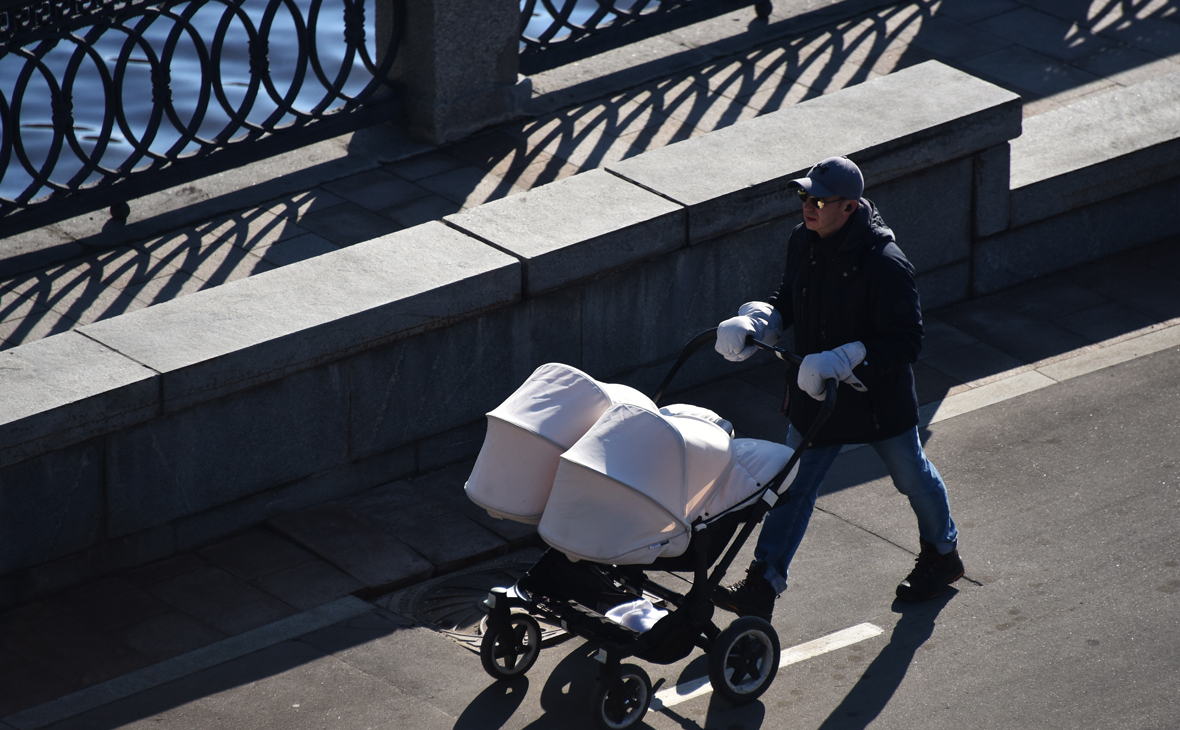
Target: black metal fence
(105, 100)
(557, 32)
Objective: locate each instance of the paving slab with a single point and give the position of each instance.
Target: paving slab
(353, 544)
(254, 554)
(1028, 339)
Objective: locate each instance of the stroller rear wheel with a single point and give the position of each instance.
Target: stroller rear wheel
(509, 650)
(624, 702)
(744, 659)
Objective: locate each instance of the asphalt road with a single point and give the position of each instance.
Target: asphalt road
(1067, 499)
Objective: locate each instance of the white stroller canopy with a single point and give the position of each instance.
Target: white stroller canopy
(527, 433)
(628, 491)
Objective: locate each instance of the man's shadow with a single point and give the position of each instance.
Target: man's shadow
(880, 680)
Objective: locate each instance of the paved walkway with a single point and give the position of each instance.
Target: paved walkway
(355, 188)
(68, 652)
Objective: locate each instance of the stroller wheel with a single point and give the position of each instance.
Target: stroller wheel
(623, 703)
(509, 650)
(744, 659)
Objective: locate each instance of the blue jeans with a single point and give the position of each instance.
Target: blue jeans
(912, 473)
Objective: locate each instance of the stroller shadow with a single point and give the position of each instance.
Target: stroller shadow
(880, 680)
(565, 698)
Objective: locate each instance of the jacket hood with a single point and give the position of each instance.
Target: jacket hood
(866, 227)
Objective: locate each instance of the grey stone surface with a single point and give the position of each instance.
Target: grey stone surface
(930, 213)
(52, 506)
(218, 599)
(992, 196)
(259, 329)
(420, 387)
(658, 307)
(65, 389)
(344, 538)
(458, 76)
(203, 457)
(737, 176)
(618, 223)
(1067, 157)
(1093, 232)
(945, 285)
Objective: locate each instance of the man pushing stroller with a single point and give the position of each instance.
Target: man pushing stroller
(849, 292)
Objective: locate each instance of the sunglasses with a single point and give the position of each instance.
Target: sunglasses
(804, 196)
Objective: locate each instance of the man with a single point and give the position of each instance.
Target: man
(849, 292)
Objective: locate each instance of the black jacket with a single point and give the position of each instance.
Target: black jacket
(856, 285)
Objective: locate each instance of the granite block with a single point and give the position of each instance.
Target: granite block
(309, 585)
(167, 635)
(184, 463)
(930, 213)
(108, 604)
(218, 599)
(946, 285)
(992, 196)
(66, 389)
(662, 305)
(1015, 331)
(449, 447)
(453, 541)
(1080, 236)
(254, 554)
(347, 540)
(1055, 37)
(262, 328)
(737, 176)
(1068, 157)
(52, 506)
(444, 379)
(616, 224)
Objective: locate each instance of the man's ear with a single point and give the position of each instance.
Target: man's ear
(850, 207)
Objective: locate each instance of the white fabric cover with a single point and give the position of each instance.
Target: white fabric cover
(527, 433)
(628, 491)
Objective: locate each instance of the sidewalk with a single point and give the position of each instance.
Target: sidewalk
(681, 85)
(327, 558)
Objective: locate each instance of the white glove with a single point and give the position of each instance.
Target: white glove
(838, 364)
(754, 318)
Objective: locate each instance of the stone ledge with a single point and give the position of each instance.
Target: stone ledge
(617, 223)
(1068, 158)
(736, 177)
(259, 329)
(66, 389)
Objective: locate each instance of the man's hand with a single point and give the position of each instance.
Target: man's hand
(838, 364)
(754, 318)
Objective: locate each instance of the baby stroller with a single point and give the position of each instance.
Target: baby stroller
(619, 489)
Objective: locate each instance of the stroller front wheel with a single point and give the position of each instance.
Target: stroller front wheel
(509, 650)
(744, 659)
(624, 702)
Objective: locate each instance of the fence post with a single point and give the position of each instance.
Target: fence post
(457, 64)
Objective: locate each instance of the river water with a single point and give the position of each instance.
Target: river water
(97, 102)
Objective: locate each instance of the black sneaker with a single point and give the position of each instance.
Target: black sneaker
(931, 574)
(751, 596)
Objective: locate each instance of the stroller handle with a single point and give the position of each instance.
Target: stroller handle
(710, 335)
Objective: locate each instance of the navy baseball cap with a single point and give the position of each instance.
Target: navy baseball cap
(834, 176)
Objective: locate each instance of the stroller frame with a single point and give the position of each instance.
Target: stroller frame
(743, 658)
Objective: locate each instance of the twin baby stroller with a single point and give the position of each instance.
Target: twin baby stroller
(618, 488)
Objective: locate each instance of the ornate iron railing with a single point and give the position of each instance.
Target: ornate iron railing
(105, 100)
(557, 32)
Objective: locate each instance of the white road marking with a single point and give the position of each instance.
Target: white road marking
(793, 655)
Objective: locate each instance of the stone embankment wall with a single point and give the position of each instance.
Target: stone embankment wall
(150, 433)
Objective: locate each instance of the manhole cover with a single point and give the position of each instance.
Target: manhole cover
(453, 604)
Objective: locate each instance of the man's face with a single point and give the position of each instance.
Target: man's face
(826, 220)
